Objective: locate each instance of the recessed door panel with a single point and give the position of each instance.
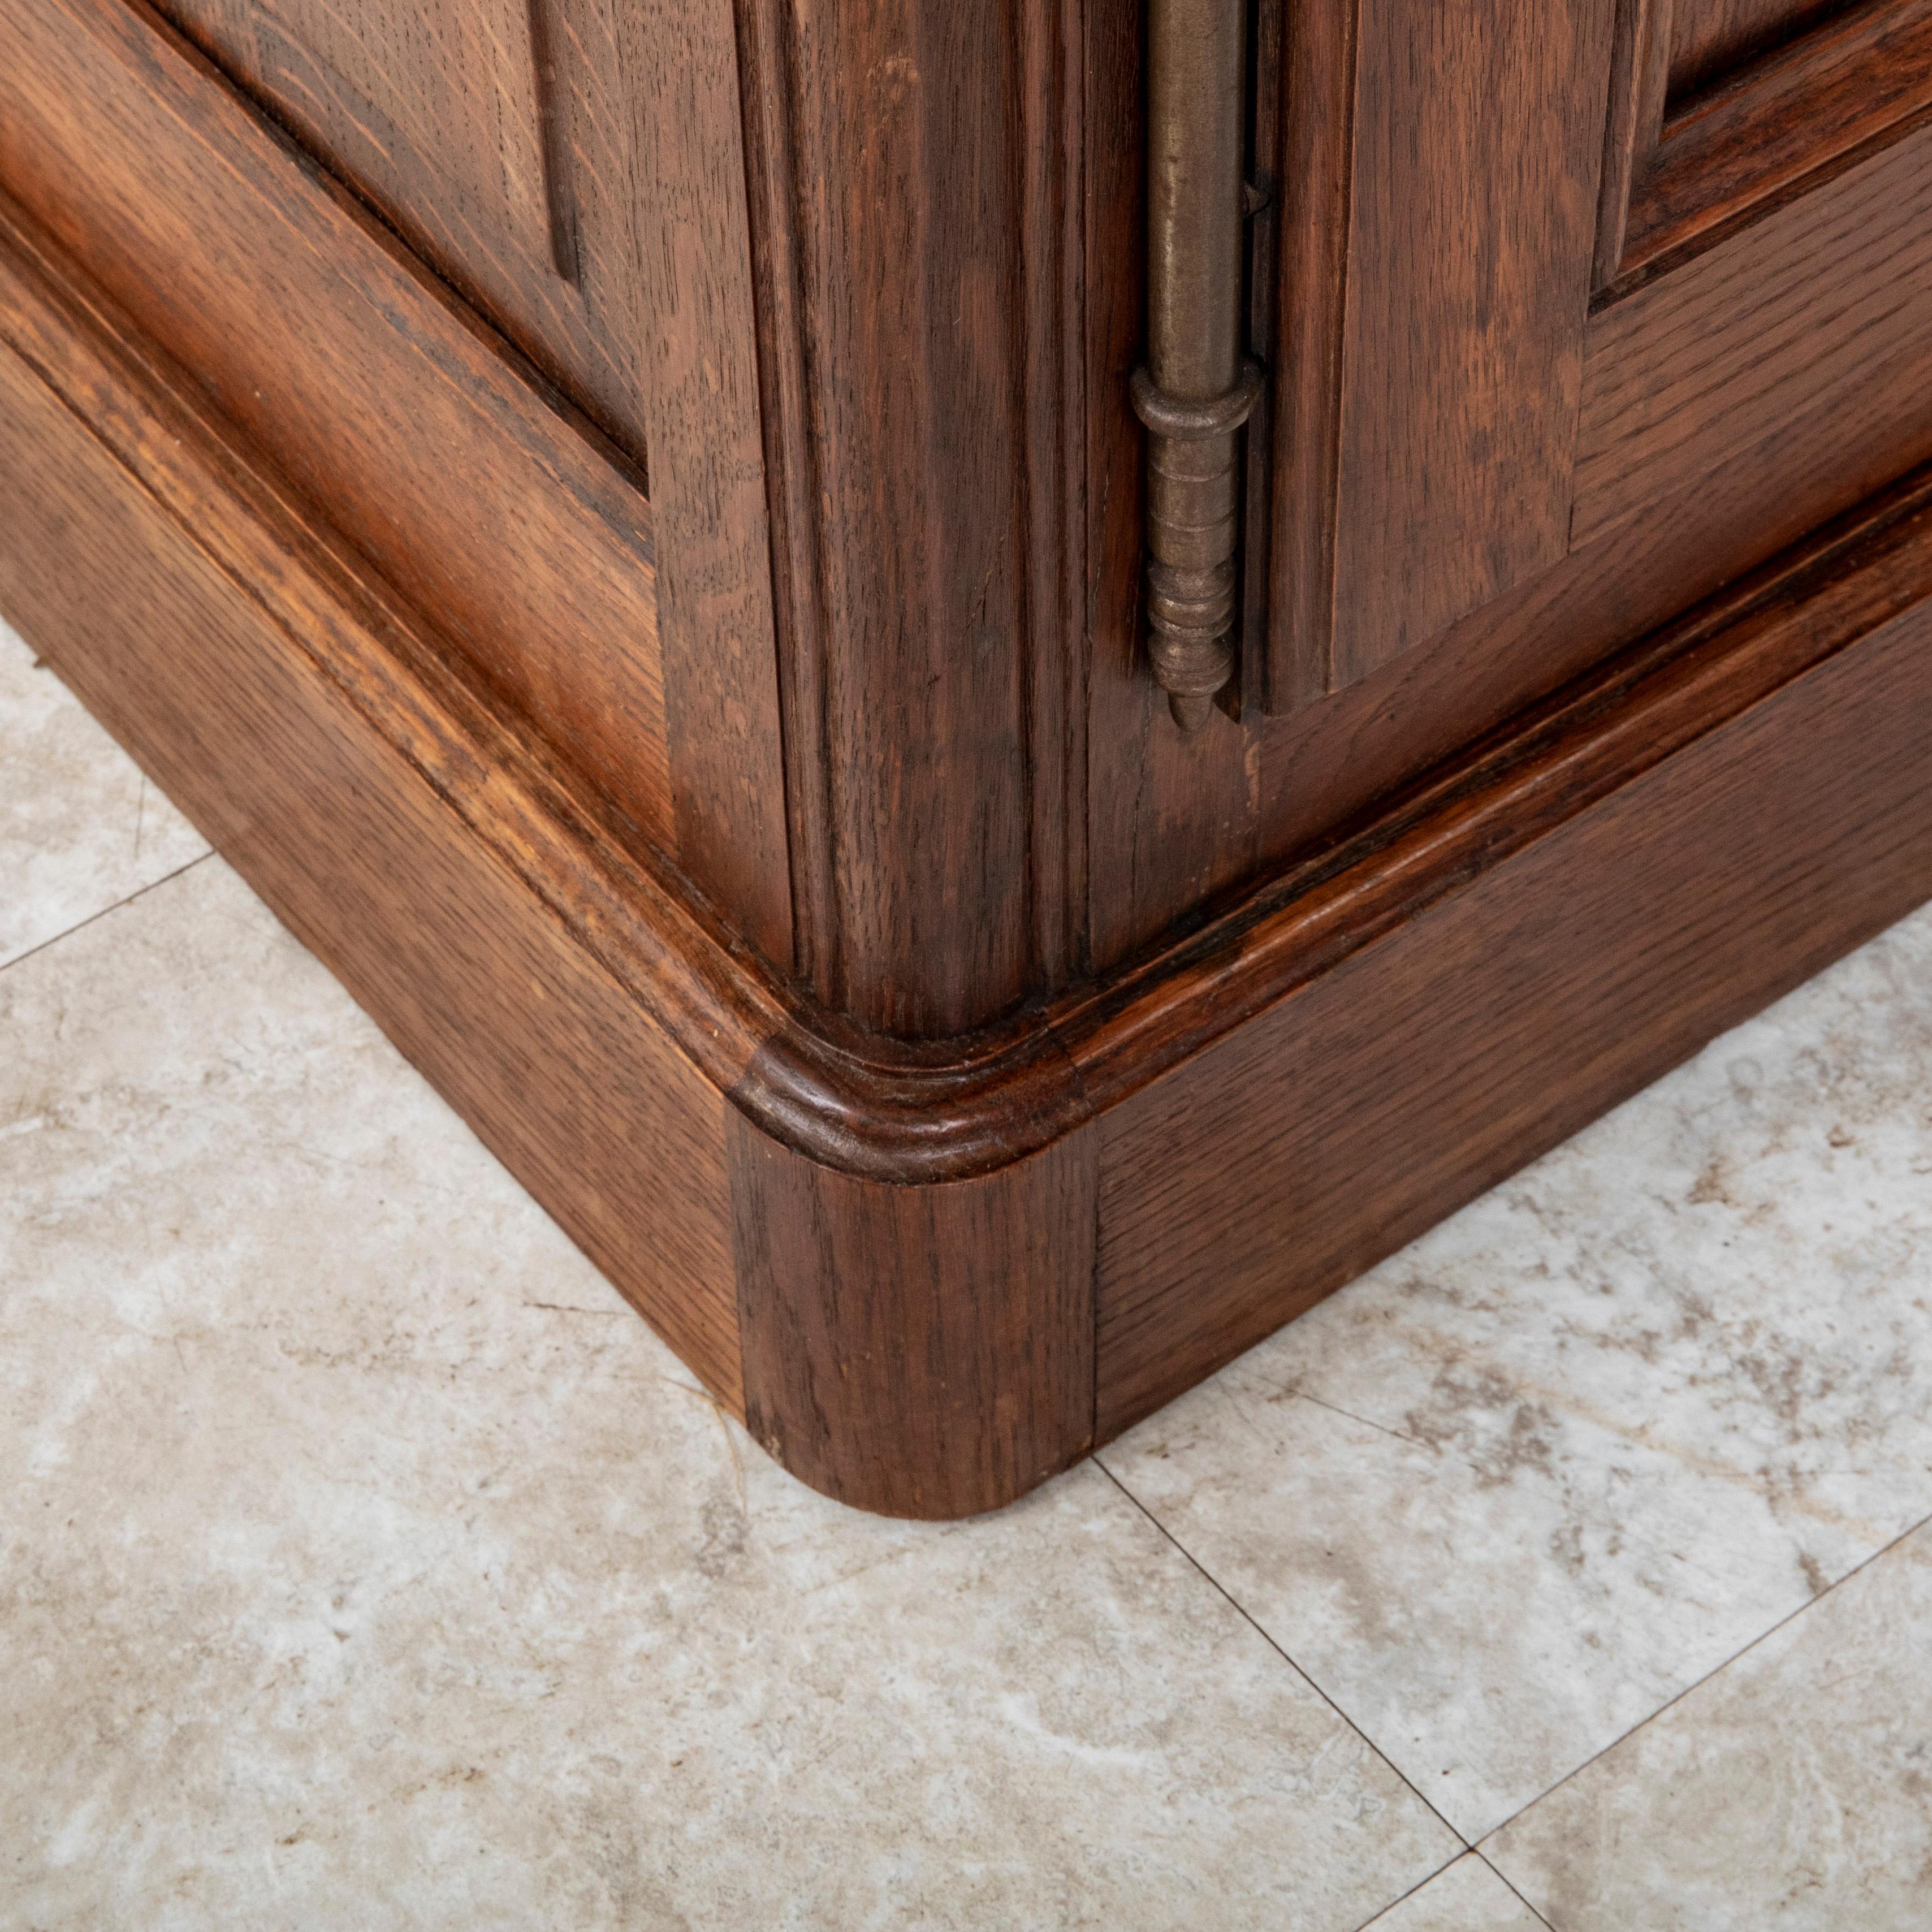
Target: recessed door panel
(484, 132)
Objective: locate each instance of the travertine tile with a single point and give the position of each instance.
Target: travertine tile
(1467, 1897)
(80, 827)
(1508, 1495)
(1790, 1792)
(365, 1563)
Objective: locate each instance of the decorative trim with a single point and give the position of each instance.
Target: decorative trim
(915, 1113)
(1140, 1179)
(894, 529)
(566, 236)
(1310, 91)
(1682, 174)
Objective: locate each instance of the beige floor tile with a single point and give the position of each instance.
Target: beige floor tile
(1790, 1792)
(1506, 1496)
(364, 1563)
(80, 827)
(1467, 1897)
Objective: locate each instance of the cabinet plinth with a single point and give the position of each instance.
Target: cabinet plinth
(644, 567)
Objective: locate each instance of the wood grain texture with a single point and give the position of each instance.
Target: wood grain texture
(1639, 82)
(578, 167)
(475, 491)
(1478, 138)
(1790, 317)
(319, 337)
(1827, 408)
(1313, 158)
(1167, 843)
(1709, 37)
(913, 170)
(1254, 659)
(1158, 798)
(587, 1022)
(649, 103)
(921, 1351)
(443, 114)
(1773, 809)
(1774, 130)
(251, 698)
(885, 1252)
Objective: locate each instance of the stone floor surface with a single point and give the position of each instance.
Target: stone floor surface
(365, 1563)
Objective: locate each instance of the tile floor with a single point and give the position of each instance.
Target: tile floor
(365, 1563)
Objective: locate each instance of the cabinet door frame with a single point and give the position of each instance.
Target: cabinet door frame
(1465, 193)
(1439, 162)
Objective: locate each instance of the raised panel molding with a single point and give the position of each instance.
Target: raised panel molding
(457, 120)
(1761, 102)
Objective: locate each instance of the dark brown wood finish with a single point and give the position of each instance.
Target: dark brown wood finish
(1157, 797)
(899, 1259)
(295, 712)
(1762, 385)
(455, 117)
(1714, 357)
(649, 100)
(1709, 37)
(1679, 853)
(1302, 779)
(1634, 123)
(1309, 79)
(1682, 174)
(916, 216)
(954, 1086)
(1472, 229)
(1424, 410)
(1472, 145)
(316, 334)
(929, 1350)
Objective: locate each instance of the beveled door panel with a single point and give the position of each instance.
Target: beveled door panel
(464, 121)
(633, 637)
(1695, 149)
(1434, 355)
(1766, 255)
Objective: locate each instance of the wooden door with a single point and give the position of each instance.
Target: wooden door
(1574, 310)
(455, 117)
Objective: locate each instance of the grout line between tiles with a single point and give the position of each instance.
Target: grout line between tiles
(1381, 1912)
(81, 924)
(1209, 1576)
(1503, 1877)
(1763, 1635)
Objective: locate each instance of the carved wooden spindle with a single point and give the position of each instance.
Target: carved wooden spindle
(1196, 390)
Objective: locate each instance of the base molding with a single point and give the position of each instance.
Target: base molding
(929, 1276)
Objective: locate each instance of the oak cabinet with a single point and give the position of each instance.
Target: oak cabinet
(630, 522)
